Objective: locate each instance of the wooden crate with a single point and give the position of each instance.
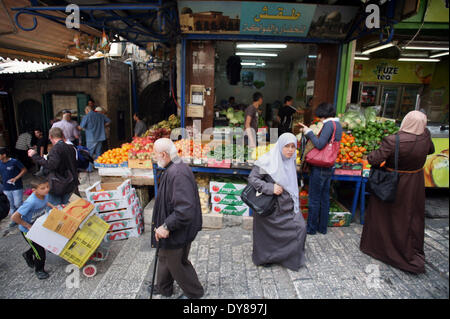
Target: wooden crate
(140, 164)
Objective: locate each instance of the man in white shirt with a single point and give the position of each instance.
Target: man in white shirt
(68, 127)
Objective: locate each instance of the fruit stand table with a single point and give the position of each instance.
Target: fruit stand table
(358, 180)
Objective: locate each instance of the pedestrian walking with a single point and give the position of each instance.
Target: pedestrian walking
(140, 127)
(25, 216)
(279, 238)
(68, 127)
(320, 177)
(251, 119)
(61, 164)
(177, 218)
(94, 125)
(394, 232)
(12, 172)
(41, 148)
(23, 144)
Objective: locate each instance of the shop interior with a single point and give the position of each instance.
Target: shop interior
(276, 70)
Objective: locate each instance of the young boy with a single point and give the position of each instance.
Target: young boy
(25, 216)
(12, 171)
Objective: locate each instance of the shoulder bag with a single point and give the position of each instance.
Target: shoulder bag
(383, 183)
(326, 157)
(260, 203)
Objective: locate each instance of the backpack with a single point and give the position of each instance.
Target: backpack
(83, 157)
(4, 205)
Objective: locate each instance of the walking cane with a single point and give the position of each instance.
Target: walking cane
(154, 269)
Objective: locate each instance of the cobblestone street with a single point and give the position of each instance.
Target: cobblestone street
(222, 258)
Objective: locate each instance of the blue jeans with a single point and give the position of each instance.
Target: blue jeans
(319, 199)
(15, 198)
(95, 150)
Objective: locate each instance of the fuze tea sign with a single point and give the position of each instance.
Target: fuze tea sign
(382, 70)
(386, 72)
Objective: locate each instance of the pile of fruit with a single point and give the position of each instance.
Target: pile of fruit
(163, 128)
(350, 152)
(235, 118)
(187, 148)
(142, 148)
(115, 155)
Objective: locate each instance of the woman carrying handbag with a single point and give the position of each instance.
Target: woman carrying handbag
(279, 237)
(393, 232)
(321, 161)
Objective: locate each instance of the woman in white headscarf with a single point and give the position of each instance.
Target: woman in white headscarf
(394, 232)
(280, 237)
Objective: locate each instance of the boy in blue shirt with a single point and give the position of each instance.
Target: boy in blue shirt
(25, 217)
(12, 171)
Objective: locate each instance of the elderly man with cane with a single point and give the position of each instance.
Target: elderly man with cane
(177, 218)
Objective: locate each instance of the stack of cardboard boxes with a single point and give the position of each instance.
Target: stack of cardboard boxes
(226, 198)
(118, 205)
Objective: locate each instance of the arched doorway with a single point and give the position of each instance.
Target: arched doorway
(155, 102)
(30, 115)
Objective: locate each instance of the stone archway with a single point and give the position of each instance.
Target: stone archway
(156, 103)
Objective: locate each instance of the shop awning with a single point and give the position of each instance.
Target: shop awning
(12, 66)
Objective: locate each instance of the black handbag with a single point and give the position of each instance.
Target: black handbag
(383, 183)
(260, 203)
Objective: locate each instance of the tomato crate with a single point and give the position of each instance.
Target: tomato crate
(133, 163)
(339, 215)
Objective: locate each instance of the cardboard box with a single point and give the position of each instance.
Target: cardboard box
(125, 233)
(85, 241)
(51, 241)
(224, 199)
(243, 210)
(130, 212)
(112, 205)
(341, 218)
(125, 223)
(66, 222)
(226, 163)
(226, 188)
(108, 191)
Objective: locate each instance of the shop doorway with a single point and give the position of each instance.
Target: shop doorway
(31, 116)
(275, 72)
(155, 102)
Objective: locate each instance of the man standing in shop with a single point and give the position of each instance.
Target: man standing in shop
(177, 218)
(68, 127)
(94, 124)
(251, 119)
(285, 115)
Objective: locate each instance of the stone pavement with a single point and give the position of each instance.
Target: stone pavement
(222, 258)
(335, 267)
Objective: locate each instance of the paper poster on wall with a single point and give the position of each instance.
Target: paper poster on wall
(436, 168)
(247, 78)
(332, 21)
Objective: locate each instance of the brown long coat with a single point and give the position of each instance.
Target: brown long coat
(394, 232)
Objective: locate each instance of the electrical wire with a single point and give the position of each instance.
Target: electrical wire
(417, 33)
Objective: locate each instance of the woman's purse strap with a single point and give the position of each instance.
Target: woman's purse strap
(334, 132)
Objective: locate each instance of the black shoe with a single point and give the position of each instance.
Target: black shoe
(42, 274)
(29, 260)
(267, 265)
(311, 233)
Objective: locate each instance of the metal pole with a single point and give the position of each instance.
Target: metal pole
(385, 101)
(417, 102)
(154, 269)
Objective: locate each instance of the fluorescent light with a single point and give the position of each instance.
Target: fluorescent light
(72, 57)
(417, 47)
(248, 63)
(381, 47)
(438, 55)
(362, 58)
(418, 60)
(261, 46)
(312, 56)
(256, 54)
